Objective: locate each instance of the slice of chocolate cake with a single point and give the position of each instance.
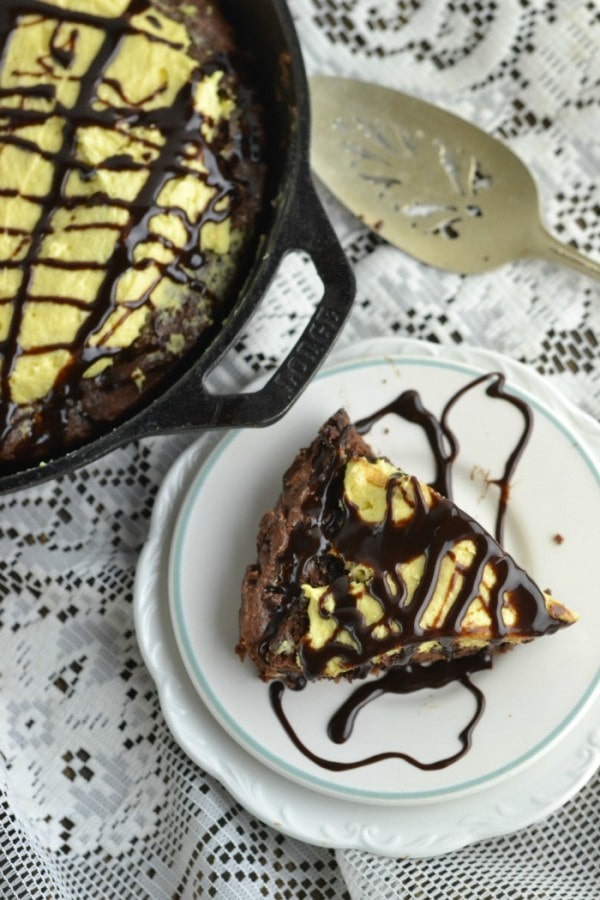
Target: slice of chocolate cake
(362, 567)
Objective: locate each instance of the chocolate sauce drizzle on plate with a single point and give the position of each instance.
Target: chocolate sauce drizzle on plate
(443, 443)
(395, 681)
(362, 542)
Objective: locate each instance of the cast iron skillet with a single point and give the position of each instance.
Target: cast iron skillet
(296, 221)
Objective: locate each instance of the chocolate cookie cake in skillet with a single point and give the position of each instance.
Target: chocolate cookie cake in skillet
(132, 170)
(363, 568)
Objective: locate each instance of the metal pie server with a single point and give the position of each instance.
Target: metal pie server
(428, 181)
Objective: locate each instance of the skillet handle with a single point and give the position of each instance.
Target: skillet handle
(193, 406)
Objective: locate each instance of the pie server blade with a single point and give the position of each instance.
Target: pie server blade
(427, 181)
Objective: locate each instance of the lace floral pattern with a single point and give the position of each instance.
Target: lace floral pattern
(96, 799)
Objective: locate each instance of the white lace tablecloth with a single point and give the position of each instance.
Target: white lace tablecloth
(96, 798)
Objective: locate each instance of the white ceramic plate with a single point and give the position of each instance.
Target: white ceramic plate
(533, 696)
(523, 796)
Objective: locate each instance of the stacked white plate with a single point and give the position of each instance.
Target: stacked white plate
(538, 740)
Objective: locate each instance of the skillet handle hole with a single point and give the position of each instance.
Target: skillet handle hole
(273, 329)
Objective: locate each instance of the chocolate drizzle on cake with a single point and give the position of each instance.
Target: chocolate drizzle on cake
(171, 143)
(327, 537)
